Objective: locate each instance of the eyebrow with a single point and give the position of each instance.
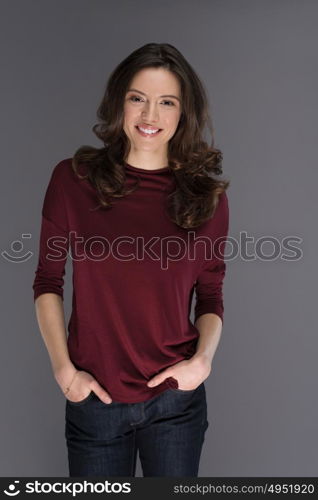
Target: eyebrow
(167, 95)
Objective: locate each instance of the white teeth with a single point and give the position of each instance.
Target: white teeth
(146, 131)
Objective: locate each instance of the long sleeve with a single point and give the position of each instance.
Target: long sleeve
(54, 240)
(209, 284)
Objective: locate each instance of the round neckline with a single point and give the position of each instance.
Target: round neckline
(145, 170)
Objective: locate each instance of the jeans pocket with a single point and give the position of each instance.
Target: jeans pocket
(187, 391)
(82, 401)
(183, 391)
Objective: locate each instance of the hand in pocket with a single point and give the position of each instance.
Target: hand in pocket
(82, 385)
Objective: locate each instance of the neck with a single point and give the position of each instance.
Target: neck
(147, 162)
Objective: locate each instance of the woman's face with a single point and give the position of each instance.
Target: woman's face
(153, 101)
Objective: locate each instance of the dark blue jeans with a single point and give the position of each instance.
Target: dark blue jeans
(168, 431)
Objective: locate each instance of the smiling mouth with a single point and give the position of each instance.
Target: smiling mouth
(149, 133)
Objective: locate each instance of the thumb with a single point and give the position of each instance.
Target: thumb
(101, 393)
(158, 379)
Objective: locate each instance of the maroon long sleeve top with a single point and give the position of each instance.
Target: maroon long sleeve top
(134, 275)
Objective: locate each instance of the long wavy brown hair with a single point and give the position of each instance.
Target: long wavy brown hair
(193, 162)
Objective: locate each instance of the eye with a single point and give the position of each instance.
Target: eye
(133, 97)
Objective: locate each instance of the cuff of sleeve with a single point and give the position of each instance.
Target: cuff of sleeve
(218, 310)
(42, 290)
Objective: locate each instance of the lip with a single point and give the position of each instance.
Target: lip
(148, 127)
(144, 134)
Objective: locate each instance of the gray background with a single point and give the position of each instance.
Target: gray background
(258, 60)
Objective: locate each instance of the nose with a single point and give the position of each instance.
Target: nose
(150, 112)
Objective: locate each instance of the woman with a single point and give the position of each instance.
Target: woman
(146, 224)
